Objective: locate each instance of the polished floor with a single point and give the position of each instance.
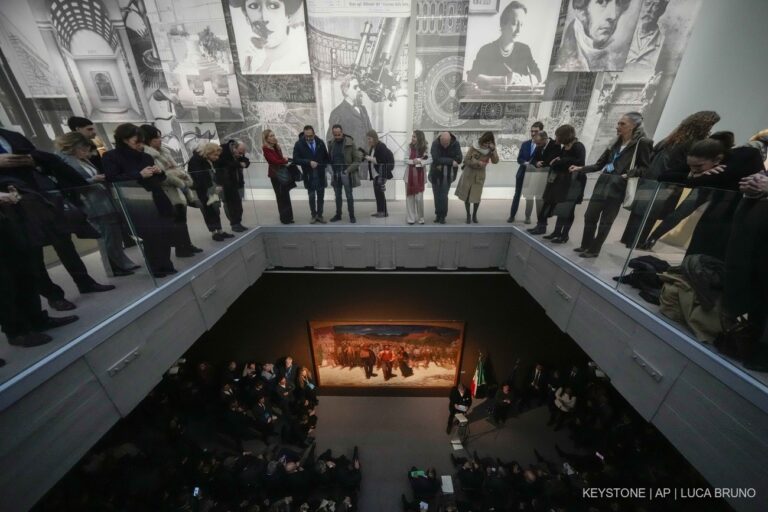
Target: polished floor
(395, 433)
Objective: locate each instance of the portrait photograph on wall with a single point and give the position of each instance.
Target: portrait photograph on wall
(383, 354)
(271, 36)
(508, 51)
(597, 35)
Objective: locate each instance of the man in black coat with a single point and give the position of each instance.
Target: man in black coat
(534, 387)
(460, 401)
(21, 314)
(446, 158)
(546, 151)
(21, 168)
(229, 176)
(311, 154)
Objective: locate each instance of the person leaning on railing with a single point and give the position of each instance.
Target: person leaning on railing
(273, 154)
(627, 156)
(25, 168)
(746, 281)
(717, 171)
(177, 186)
(668, 155)
(202, 168)
(75, 149)
(153, 219)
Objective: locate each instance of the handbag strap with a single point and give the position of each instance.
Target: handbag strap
(634, 156)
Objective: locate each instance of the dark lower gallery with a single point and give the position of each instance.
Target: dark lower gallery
(156, 457)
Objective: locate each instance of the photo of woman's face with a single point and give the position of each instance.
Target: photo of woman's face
(268, 21)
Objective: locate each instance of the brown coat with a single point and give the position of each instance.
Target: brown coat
(470, 187)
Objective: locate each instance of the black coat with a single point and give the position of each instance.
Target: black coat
(125, 164)
(203, 176)
(303, 155)
(613, 185)
(444, 157)
(385, 161)
(557, 190)
(545, 154)
(229, 169)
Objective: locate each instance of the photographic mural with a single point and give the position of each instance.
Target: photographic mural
(387, 354)
(215, 69)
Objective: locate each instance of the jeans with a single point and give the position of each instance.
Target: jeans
(341, 180)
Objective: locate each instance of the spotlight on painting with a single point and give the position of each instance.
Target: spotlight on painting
(387, 354)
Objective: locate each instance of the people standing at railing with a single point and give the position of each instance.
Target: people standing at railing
(21, 314)
(229, 175)
(202, 168)
(446, 158)
(310, 153)
(273, 154)
(470, 187)
(75, 150)
(628, 156)
(381, 162)
(523, 159)
(566, 189)
(151, 214)
(26, 169)
(668, 155)
(745, 294)
(673, 178)
(717, 171)
(345, 170)
(415, 177)
(546, 151)
(178, 186)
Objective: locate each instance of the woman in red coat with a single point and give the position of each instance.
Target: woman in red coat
(273, 154)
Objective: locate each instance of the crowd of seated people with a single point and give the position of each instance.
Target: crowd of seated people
(46, 198)
(613, 448)
(236, 438)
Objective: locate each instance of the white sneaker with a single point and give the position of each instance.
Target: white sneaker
(421, 221)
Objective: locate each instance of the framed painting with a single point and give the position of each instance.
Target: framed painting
(387, 354)
(104, 85)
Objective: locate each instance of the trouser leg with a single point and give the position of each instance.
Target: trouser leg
(320, 196)
(350, 199)
(113, 242)
(530, 202)
(610, 211)
(233, 206)
(20, 305)
(69, 257)
(337, 196)
(410, 209)
(312, 202)
(519, 181)
(591, 218)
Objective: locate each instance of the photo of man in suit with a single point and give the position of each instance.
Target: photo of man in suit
(350, 113)
(648, 39)
(589, 42)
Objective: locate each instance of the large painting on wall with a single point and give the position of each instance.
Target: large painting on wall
(384, 354)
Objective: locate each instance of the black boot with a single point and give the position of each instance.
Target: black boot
(474, 212)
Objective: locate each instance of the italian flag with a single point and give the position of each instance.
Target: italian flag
(479, 378)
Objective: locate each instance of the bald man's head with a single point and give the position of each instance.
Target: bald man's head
(445, 139)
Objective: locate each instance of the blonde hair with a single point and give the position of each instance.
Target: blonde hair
(70, 141)
(207, 149)
(265, 135)
(759, 135)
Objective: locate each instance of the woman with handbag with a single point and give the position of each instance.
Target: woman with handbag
(415, 177)
(381, 161)
(201, 168)
(177, 186)
(279, 175)
(470, 186)
(629, 155)
(566, 189)
(75, 149)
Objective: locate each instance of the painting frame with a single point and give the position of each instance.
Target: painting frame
(421, 382)
(95, 74)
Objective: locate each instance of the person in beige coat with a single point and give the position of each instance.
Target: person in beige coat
(470, 187)
(177, 186)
